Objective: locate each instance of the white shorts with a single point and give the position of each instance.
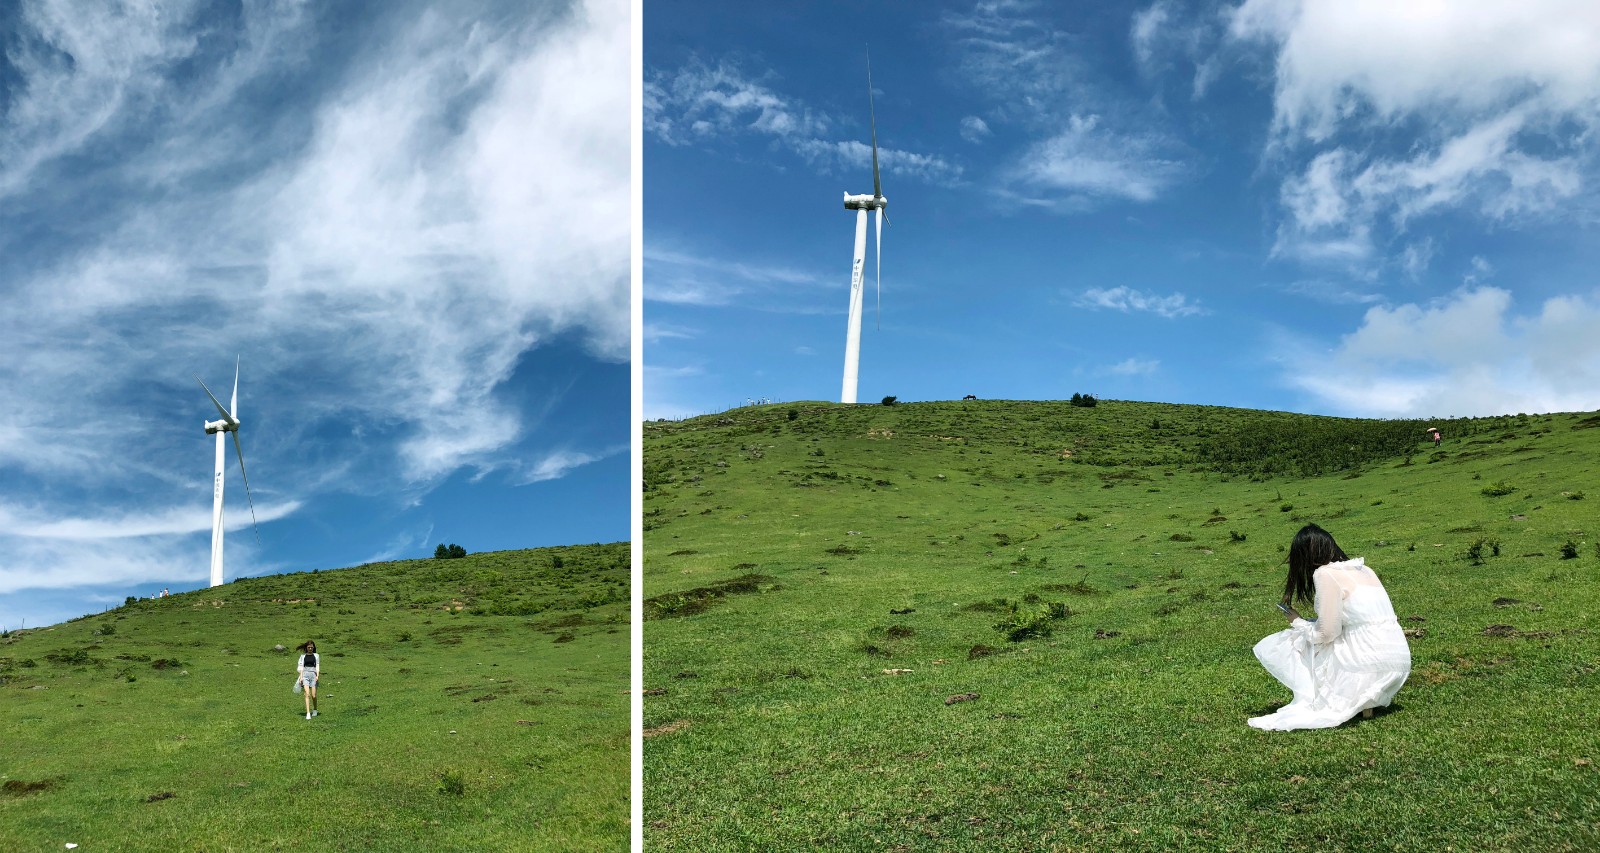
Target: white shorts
(308, 677)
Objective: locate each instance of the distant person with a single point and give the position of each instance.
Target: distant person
(1352, 658)
(309, 666)
(1436, 438)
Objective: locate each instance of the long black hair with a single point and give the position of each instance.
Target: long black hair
(307, 646)
(1311, 549)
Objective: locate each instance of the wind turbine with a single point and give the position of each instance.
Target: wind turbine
(861, 204)
(230, 425)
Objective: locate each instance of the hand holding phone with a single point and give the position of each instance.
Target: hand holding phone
(1288, 611)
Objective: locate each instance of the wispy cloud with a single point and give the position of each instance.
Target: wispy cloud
(974, 129)
(1132, 367)
(1088, 160)
(689, 279)
(1127, 299)
(1090, 142)
(558, 463)
(701, 103)
(437, 200)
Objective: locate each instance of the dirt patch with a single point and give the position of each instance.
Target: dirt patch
(1103, 634)
(961, 697)
(979, 651)
(1506, 602)
(19, 788)
(700, 599)
(156, 798)
(666, 728)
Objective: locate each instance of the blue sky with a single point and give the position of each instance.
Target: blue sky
(1340, 207)
(410, 222)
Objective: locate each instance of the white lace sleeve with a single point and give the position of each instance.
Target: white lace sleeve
(1330, 608)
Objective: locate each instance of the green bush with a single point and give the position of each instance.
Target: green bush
(1496, 490)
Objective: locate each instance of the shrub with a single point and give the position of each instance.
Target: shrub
(452, 783)
(1086, 401)
(1496, 490)
(794, 414)
(132, 599)
(890, 401)
(1569, 551)
(1285, 507)
(1020, 623)
(1236, 536)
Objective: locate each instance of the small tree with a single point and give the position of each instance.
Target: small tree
(890, 401)
(457, 550)
(442, 552)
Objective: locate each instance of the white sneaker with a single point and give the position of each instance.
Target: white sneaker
(315, 713)
(308, 715)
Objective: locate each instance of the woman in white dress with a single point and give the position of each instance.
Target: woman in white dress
(1350, 659)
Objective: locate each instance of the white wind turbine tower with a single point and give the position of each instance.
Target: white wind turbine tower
(230, 425)
(861, 204)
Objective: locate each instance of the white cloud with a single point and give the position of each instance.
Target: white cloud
(558, 463)
(700, 100)
(974, 129)
(1126, 299)
(1087, 161)
(1419, 109)
(36, 524)
(1415, 258)
(856, 157)
(1007, 49)
(1133, 367)
(1467, 354)
(1146, 30)
(1374, 61)
(688, 279)
(658, 332)
(700, 103)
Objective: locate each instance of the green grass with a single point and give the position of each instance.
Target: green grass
(811, 707)
(466, 704)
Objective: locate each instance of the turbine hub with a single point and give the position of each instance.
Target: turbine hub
(213, 427)
(864, 202)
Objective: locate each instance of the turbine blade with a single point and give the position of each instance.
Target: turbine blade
(218, 403)
(877, 188)
(879, 252)
(240, 450)
(234, 405)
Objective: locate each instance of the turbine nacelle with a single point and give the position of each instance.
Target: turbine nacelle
(213, 427)
(865, 202)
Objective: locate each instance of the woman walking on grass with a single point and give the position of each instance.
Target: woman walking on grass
(1350, 659)
(310, 669)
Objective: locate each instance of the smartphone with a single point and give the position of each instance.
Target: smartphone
(1285, 609)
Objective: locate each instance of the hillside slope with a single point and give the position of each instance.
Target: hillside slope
(826, 583)
(473, 703)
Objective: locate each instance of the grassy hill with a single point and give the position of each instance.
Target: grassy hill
(466, 704)
(1027, 626)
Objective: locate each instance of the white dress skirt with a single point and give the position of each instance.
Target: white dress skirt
(1352, 657)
